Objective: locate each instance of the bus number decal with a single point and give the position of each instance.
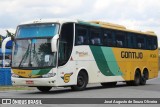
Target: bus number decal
(153, 55)
(66, 77)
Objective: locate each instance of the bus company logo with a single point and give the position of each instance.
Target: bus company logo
(82, 54)
(6, 101)
(21, 72)
(132, 55)
(66, 77)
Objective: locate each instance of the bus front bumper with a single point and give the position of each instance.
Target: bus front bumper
(33, 81)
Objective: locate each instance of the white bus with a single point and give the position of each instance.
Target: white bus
(60, 53)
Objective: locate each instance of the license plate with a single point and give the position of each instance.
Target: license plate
(29, 82)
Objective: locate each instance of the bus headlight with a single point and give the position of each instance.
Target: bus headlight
(15, 75)
(48, 75)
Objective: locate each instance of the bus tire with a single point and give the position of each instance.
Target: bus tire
(44, 88)
(82, 81)
(144, 78)
(137, 79)
(129, 83)
(109, 84)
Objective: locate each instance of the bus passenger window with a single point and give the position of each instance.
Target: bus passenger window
(140, 41)
(81, 36)
(120, 39)
(95, 37)
(107, 39)
(154, 43)
(151, 42)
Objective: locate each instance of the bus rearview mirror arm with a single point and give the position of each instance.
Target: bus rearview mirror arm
(54, 43)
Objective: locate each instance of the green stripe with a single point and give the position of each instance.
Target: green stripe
(111, 60)
(88, 23)
(105, 60)
(40, 72)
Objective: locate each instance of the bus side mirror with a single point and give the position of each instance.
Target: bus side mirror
(4, 43)
(54, 43)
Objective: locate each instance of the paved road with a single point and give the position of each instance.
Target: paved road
(150, 90)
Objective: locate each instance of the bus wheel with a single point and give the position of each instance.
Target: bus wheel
(144, 78)
(109, 84)
(129, 83)
(44, 88)
(137, 79)
(82, 81)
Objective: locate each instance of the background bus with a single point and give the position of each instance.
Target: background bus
(48, 53)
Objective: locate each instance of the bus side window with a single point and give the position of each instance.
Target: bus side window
(140, 42)
(120, 38)
(81, 35)
(152, 42)
(107, 38)
(130, 42)
(95, 37)
(149, 43)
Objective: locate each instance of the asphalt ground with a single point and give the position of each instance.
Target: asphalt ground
(121, 90)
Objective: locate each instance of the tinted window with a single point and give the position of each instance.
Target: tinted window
(82, 37)
(86, 35)
(155, 45)
(151, 43)
(120, 38)
(131, 40)
(95, 37)
(65, 43)
(108, 38)
(140, 42)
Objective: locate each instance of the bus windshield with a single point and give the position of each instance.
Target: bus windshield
(33, 53)
(32, 46)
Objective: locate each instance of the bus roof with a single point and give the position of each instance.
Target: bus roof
(120, 27)
(91, 23)
(55, 20)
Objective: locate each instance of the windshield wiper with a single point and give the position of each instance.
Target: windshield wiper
(25, 55)
(36, 56)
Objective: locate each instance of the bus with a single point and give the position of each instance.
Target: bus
(74, 53)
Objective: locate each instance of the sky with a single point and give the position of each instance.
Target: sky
(141, 15)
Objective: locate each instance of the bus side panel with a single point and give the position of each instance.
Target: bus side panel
(67, 74)
(153, 63)
(140, 59)
(99, 62)
(105, 64)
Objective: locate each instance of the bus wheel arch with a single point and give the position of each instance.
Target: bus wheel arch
(82, 81)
